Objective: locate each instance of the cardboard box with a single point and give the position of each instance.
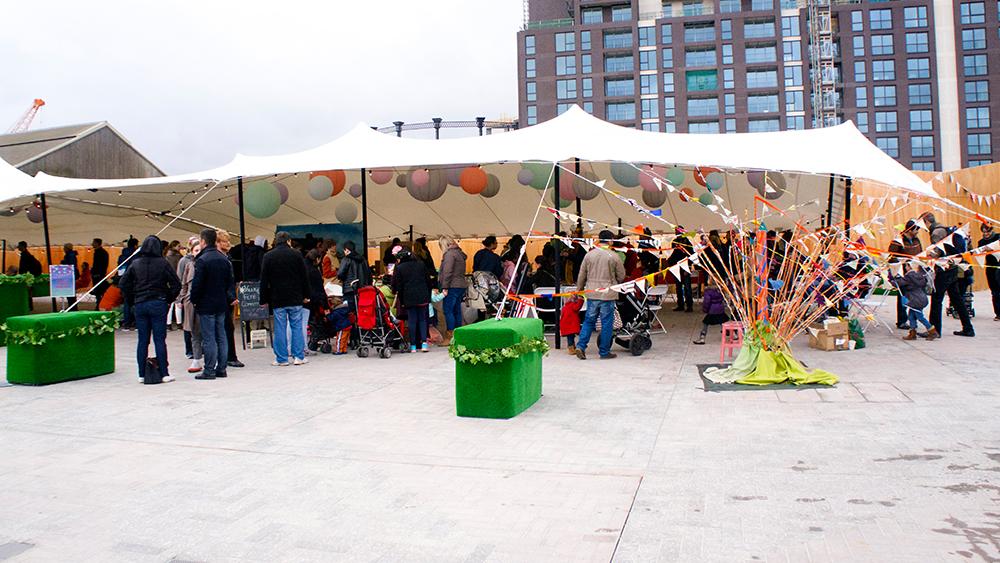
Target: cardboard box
(835, 327)
(258, 338)
(830, 336)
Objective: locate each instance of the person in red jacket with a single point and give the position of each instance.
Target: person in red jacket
(569, 322)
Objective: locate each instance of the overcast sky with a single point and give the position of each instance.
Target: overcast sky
(193, 83)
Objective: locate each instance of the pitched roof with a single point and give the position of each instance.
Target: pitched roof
(21, 148)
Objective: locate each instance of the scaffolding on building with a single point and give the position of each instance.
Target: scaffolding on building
(822, 64)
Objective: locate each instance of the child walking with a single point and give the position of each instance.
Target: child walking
(569, 322)
(713, 304)
(913, 291)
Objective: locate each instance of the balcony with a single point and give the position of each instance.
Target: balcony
(549, 24)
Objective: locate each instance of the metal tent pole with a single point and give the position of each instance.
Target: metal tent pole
(243, 229)
(579, 203)
(829, 204)
(558, 260)
(364, 211)
(847, 203)
(48, 246)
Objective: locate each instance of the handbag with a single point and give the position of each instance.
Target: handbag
(152, 375)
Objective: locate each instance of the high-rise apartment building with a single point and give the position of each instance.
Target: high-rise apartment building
(914, 75)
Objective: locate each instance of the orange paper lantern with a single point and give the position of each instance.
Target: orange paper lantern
(473, 180)
(686, 194)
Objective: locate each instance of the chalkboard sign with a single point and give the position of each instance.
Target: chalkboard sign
(250, 306)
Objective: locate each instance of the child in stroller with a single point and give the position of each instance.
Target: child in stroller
(636, 322)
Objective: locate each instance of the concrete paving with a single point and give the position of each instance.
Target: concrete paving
(350, 459)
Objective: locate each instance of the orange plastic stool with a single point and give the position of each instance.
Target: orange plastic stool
(732, 340)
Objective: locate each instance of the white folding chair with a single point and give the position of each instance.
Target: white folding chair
(659, 291)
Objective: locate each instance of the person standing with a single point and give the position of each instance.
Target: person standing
(486, 259)
(600, 270)
(330, 263)
(913, 290)
(28, 264)
(99, 269)
(453, 285)
(907, 245)
(284, 286)
(992, 267)
(682, 249)
(175, 312)
(353, 273)
(128, 316)
(946, 278)
(412, 286)
(69, 259)
(232, 360)
(212, 291)
(192, 330)
(150, 284)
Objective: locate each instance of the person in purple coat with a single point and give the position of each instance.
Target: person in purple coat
(714, 306)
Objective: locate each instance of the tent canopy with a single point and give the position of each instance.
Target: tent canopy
(804, 160)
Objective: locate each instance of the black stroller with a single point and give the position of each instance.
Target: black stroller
(637, 320)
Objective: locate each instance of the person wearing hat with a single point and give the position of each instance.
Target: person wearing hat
(908, 244)
(992, 267)
(952, 245)
(486, 259)
(599, 270)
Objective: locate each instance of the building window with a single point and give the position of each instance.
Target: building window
(700, 57)
(729, 6)
(701, 107)
(668, 82)
(566, 65)
(922, 146)
(973, 39)
(977, 91)
(972, 12)
(766, 103)
(859, 46)
(979, 143)
(920, 120)
(566, 42)
(923, 166)
(565, 89)
(918, 68)
(861, 120)
(884, 95)
(974, 65)
(857, 21)
(915, 16)
(885, 122)
(861, 96)
(885, 70)
(562, 108)
(727, 54)
(667, 58)
(619, 63)
(977, 118)
(670, 127)
(531, 91)
(793, 101)
(529, 44)
(761, 5)
(647, 60)
(695, 32)
(917, 42)
(617, 39)
(763, 125)
(859, 71)
(791, 51)
(647, 36)
(591, 15)
(702, 80)
(793, 122)
(880, 19)
(532, 115)
(729, 101)
(650, 108)
(529, 68)
(758, 29)
(730, 125)
(588, 107)
(705, 127)
(761, 54)
(919, 94)
(793, 75)
(587, 85)
(889, 145)
(762, 78)
(619, 87)
(728, 79)
(727, 29)
(981, 162)
(654, 127)
(693, 8)
(790, 26)
(586, 63)
(881, 44)
(666, 34)
(585, 40)
(669, 110)
(624, 111)
(621, 14)
(648, 84)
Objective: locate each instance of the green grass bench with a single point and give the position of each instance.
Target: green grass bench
(55, 347)
(498, 367)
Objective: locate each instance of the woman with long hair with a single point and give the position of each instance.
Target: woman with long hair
(451, 279)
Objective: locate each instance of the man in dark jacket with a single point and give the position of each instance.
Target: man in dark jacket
(284, 286)
(150, 285)
(212, 291)
(28, 264)
(128, 316)
(992, 267)
(908, 245)
(412, 287)
(353, 272)
(99, 269)
(682, 249)
(486, 259)
(946, 278)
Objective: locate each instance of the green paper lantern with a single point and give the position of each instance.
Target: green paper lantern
(675, 176)
(261, 199)
(706, 199)
(626, 175)
(542, 174)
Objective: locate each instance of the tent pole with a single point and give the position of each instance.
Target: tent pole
(847, 203)
(364, 211)
(579, 204)
(243, 228)
(620, 227)
(829, 204)
(4, 268)
(48, 246)
(411, 236)
(558, 261)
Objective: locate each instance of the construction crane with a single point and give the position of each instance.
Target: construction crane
(22, 124)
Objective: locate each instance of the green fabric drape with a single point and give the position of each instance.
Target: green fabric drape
(754, 366)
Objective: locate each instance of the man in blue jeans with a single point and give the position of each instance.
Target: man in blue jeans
(284, 286)
(212, 292)
(601, 268)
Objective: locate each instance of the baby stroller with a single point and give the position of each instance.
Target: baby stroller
(377, 329)
(488, 287)
(636, 322)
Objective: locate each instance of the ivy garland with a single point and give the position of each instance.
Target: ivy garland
(23, 279)
(37, 337)
(466, 355)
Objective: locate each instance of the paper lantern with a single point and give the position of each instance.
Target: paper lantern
(567, 181)
(8, 212)
(282, 191)
(551, 197)
(524, 177)
(626, 175)
(686, 194)
(756, 179)
(34, 213)
(772, 185)
(701, 173)
(320, 187)
(715, 180)
(706, 199)
(346, 212)
(473, 179)
(654, 198)
(419, 178)
(338, 179)
(438, 181)
(542, 174)
(454, 174)
(436, 185)
(492, 186)
(675, 176)
(261, 199)
(584, 187)
(381, 176)
(401, 180)
(649, 176)
(354, 190)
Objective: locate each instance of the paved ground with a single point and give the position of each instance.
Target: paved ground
(363, 459)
